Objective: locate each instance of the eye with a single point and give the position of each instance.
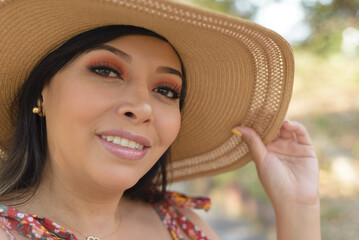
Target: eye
(167, 92)
(105, 71)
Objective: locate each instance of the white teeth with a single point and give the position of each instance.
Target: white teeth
(139, 146)
(116, 140)
(123, 142)
(132, 144)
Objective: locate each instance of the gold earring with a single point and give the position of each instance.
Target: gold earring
(36, 110)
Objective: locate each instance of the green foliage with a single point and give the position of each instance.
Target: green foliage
(247, 179)
(328, 22)
(326, 42)
(331, 212)
(322, 123)
(355, 150)
(356, 77)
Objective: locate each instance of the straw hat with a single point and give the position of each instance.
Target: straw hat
(238, 72)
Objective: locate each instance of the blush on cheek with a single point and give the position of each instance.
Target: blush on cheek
(167, 122)
(82, 99)
(173, 128)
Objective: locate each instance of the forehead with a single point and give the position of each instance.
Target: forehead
(147, 47)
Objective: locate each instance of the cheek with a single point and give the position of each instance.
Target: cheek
(78, 102)
(168, 123)
(71, 109)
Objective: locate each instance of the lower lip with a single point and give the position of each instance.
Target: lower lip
(123, 152)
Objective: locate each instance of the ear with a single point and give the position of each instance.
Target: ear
(43, 100)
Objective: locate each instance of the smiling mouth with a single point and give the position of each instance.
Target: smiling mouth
(123, 142)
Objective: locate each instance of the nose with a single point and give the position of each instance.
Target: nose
(136, 107)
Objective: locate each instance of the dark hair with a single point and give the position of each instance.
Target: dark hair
(22, 170)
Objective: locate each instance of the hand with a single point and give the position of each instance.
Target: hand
(287, 167)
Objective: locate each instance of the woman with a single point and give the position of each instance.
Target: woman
(94, 107)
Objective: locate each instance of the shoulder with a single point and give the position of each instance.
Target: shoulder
(5, 229)
(5, 235)
(200, 223)
(141, 221)
(13, 222)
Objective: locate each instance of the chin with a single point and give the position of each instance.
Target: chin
(117, 181)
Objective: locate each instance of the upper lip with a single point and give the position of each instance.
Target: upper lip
(130, 136)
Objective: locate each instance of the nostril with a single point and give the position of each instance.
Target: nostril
(129, 114)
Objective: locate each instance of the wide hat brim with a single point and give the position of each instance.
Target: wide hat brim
(238, 73)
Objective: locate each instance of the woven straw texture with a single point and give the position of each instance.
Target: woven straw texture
(239, 73)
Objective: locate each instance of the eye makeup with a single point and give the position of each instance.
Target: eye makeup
(168, 85)
(176, 87)
(109, 67)
(106, 63)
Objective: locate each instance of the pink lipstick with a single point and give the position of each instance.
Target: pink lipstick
(123, 151)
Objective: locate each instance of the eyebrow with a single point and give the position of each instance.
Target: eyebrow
(116, 51)
(169, 70)
(126, 57)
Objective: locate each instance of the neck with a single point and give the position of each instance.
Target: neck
(83, 204)
(80, 207)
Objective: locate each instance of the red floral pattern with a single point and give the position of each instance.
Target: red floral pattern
(40, 228)
(174, 220)
(31, 226)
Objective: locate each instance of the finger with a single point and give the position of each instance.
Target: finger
(285, 134)
(254, 143)
(298, 129)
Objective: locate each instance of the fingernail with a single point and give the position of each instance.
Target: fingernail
(236, 132)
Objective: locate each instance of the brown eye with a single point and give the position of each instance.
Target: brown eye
(167, 92)
(104, 71)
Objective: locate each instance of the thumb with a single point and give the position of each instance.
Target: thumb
(254, 143)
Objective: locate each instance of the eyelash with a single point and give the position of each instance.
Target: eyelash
(105, 66)
(169, 87)
(172, 88)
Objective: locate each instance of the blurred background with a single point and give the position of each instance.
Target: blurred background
(325, 38)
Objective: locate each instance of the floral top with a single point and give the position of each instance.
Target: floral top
(40, 228)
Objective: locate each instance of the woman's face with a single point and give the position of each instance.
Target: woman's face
(113, 111)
